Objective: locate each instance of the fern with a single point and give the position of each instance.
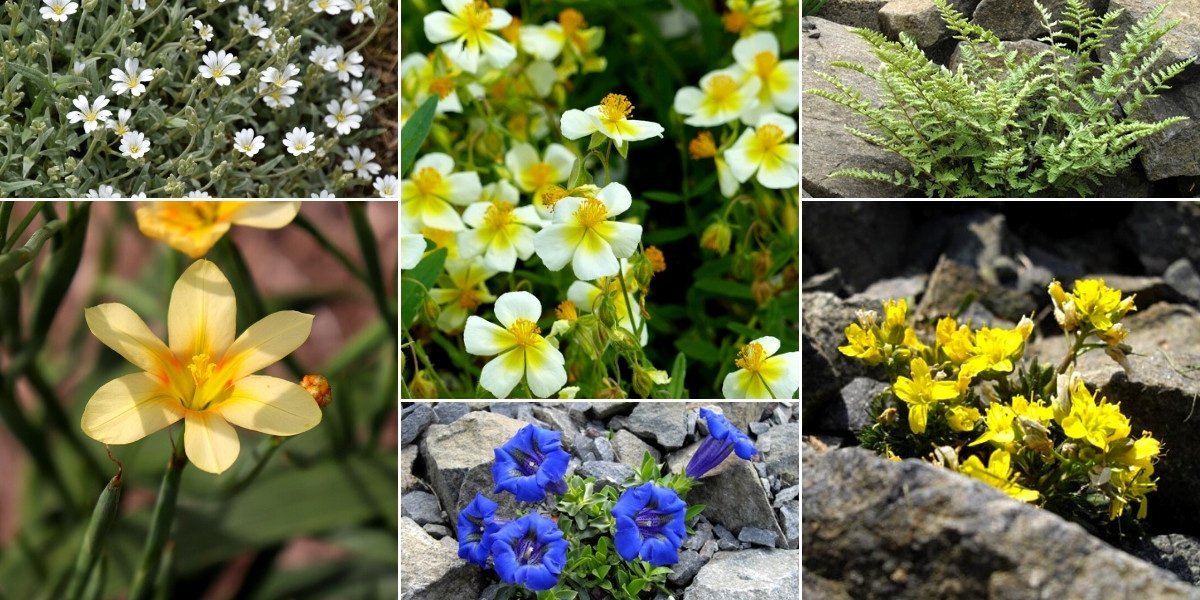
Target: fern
(1005, 126)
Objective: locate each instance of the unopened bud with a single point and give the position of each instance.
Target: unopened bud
(716, 237)
(318, 387)
(762, 291)
(421, 386)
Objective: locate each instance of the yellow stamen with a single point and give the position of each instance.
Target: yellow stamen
(721, 87)
(551, 196)
(751, 357)
(656, 259)
(703, 146)
(734, 21)
(540, 174)
(499, 215)
(615, 107)
(566, 310)
(202, 368)
(526, 332)
(427, 180)
(469, 299)
(477, 16)
(591, 212)
(441, 237)
(442, 87)
(768, 137)
(764, 63)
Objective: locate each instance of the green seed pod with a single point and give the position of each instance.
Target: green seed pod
(89, 551)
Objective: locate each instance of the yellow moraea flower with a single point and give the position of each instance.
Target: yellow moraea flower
(998, 474)
(204, 376)
(1097, 424)
(194, 227)
(995, 349)
(921, 393)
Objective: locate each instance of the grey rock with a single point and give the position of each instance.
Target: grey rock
(831, 281)
(606, 473)
(853, 13)
(815, 586)
(446, 413)
(782, 413)
(918, 18)
(725, 539)
(662, 422)
(783, 457)
(607, 410)
(691, 417)
(857, 533)
(826, 145)
(893, 287)
(436, 531)
(789, 521)
(731, 492)
(759, 427)
(702, 535)
(850, 412)
(451, 451)
(683, 571)
(709, 549)
(630, 449)
(604, 449)
(952, 282)
(508, 409)
(824, 369)
(489, 593)
(760, 574)
(760, 468)
(1182, 276)
(756, 536)
(1162, 232)
(421, 507)
(560, 420)
(408, 456)
(479, 480)
(432, 571)
(1177, 553)
(785, 495)
(583, 446)
(413, 420)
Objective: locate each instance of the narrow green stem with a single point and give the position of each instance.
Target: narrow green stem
(421, 356)
(160, 525)
(58, 417)
(25, 221)
(258, 460)
(637, 328)
(303, 223)
(1072, 353)
(11, 261)
(370, 254)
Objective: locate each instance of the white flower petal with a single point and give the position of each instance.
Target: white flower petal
(642, 130)
(594, 257)
(473, 216)
(472, 242)
(544, 369)
(498, 51)
(503, 373)
(746, 49)
(785, 172)
(738, 159)
(687, 100)
(787, 380)
(517, 305)
(769, 344)
(483, 338)
(441, 27)
(544, 42)
(464, 188)
(616, 197)
(440, 161)
(556, 244)
(577, 124)
(560, 160)
(787, 124)
(623, 237)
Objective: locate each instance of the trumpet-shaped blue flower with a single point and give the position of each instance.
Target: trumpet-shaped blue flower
(722, 439)
(531, 463)
(476, 525)
(650, 523)
(530, 551)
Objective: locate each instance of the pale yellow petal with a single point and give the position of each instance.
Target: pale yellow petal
(265, 215)
(202, 316)
(119, 328)
(267, 341)
(128, 409)
(211, 443)
(270, 405)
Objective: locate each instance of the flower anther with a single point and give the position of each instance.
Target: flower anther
(591, 212)
(616, 107)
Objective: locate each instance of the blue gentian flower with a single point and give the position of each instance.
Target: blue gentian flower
(531, 463)
(476, 524)
(530, 551)
(722, 438)
(650, 523)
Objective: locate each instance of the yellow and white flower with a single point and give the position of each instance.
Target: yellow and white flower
(465, 31)
(523, 352)
(536, 175)
(501, 229)
(412, 247)
(610, 118)
(194, 227)
(723, 95)
(425, 199)
(586, 295)
(204, 377)
(465, 293)
(582, 235)
(762, 375)
(764, 150)
(758, 56)
(546, 41)
(419, 81)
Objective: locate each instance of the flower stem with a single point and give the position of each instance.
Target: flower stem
(637, 328)
(421, 356)
(370, 253)
(258, 460)
(303, 223)
(160, 525)
(89, 551)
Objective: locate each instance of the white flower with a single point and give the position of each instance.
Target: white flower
(137, 4)
(359, 162)
(323, 194)
(349, 65)
(468, 291)
(91, 115)
(359, 95)
(121, 125)
(465, 31)
(501, 229)
(276, 97)
(416, 72)
(362, 8)
(331, 7)
(763, 150)
(523, 352)
(58, 10)
(723, 95)
(342, 116)
(325, 57)
(583, 236)
(412, 247)
(432, 187)
(387, 186)
(611, 119)
(134, 145)
(282, 79)
(131, 79)
(219, 66)
(138, 196)
(204, 31)
(105, 191)
(256, 26)
(197, 194)
(247, 143)
(780, 89)
(536, 175)
(79, 67)
(762, 375)
(299, 141)
(270, 44)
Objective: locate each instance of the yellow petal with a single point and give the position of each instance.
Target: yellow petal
(270, 405)
(128, 409)
(267, 341)
(122, 330)
(211, 443)
(184, 227)
(265, 215)
(202, 316)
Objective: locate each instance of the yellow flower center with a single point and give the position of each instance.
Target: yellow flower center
(566, 311)
(499, 215)
(526, 332)
(202, 368)
(591, 212)
(702, 146)
(768, 137)
(615, 107)
(477, 16)
(734, 21)
(764, 63)
(571, 21)
(442, 87)
(428, 180)
(751, 357)
(721, 87)
(540, 174)
(469, 299)
(441, 238)
(551, 196)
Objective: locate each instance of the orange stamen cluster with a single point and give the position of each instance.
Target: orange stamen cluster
(751, 357)
(477, 15)
(656, 259)
(702, 146)
(526, 332)
(442, 87)
(566, 311)
(735, 21)
(722, 87)
(591, 212)
(551, 196)
(571, 21)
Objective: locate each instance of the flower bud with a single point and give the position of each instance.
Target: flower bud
(421, 386)
(945, 456)
(431, 309)
(624, 340)
(72, 181)
(318, 387)
(716, 237)
(173, 187)
(70, 164)
(762, 264)
(90, 5)
(762, 291)
(135, 50)
(38, 126)
(186, 167)
(54, 172)
(5, 129)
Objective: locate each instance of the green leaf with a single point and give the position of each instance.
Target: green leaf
(666, 236)
(675, 389)
(666, 197)
(701, 350)
(8, 187)
(596, 140)
(692, 511)
(414, 133)
(635, 586)
(419, 279)
(724, 287)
